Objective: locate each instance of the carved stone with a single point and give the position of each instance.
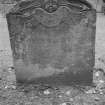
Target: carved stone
(53, 41)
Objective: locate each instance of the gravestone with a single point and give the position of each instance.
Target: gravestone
(53, 41)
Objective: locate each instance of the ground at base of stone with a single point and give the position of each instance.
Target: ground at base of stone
(31, 94)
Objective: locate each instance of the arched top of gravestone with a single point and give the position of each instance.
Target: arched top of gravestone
(50, 6)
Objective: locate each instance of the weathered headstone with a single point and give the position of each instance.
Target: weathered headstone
(53, 41)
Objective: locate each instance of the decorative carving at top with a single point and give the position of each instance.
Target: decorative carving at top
(50, 6)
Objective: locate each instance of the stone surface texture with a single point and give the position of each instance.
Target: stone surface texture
(53, 44)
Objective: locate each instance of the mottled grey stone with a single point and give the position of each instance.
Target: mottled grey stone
(53, 43)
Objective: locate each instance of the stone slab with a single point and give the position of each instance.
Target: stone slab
(53, 45)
